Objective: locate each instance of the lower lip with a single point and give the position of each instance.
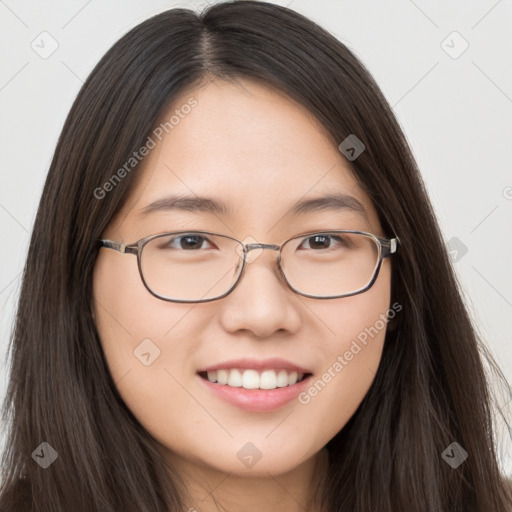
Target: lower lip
(257, 400)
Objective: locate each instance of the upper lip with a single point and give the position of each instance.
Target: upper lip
(256, 364)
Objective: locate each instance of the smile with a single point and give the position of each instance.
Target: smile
(253, 379)
(283, 387)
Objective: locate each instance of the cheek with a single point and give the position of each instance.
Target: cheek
(127, 314)
(351, 355)
(145, 340)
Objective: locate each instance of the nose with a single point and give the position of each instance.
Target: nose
(261, 302)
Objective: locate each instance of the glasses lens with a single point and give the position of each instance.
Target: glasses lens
(196, 266)
(191, 266)
(329, 263)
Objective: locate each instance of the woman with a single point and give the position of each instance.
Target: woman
(237, 296)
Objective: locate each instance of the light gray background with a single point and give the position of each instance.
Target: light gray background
(456, 114)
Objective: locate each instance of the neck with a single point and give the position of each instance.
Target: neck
(211, 490)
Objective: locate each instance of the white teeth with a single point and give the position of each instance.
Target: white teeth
(222, 376)
(282, 379)
(252, 379)
(268, 379)
(235, 379)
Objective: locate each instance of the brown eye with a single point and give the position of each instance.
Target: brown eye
(186, 242)
(322, 241)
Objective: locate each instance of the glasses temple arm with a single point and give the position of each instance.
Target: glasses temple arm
(390, 246)
(119, 247)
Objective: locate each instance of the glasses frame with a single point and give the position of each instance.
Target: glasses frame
(386, 246)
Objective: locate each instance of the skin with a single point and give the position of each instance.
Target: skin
(260, 152)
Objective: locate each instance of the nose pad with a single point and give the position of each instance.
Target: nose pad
(254, 250)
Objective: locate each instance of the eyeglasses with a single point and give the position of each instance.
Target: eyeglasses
(201, 266)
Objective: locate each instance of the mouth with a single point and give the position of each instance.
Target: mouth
(254, 379)
(255, 390)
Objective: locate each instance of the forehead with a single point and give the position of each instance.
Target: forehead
(252, 152)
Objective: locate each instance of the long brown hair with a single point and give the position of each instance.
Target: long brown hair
(431, 388)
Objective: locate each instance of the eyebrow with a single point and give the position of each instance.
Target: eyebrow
(330, 202)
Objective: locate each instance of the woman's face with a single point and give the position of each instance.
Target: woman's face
(259, 153)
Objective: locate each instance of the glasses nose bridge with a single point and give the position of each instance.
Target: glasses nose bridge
(250, 247)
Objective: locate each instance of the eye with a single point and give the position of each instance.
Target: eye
(186, 242)
(322, 241)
